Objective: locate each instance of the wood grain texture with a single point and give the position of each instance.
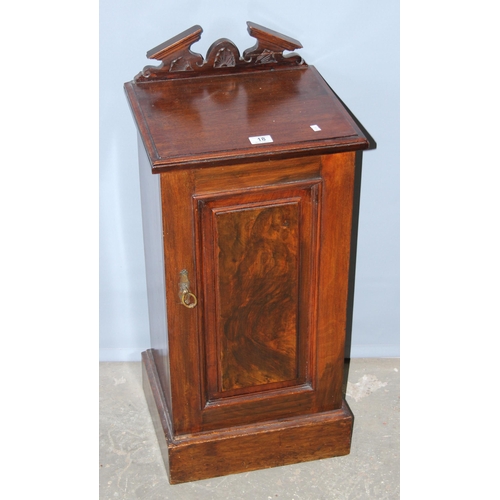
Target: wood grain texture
(202, 122)
(251, 375)
(338, 172)
(244, 361)
(258, 286)
(260, 174)
(178, 61)
(152, 220)
(259, 258)
(271, 444)
(158, 409)
(203, 455)
(178, 230)
(263, 323)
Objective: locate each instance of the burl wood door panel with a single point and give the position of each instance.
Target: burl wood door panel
(258, 263)
(257, 290)
(258, 256)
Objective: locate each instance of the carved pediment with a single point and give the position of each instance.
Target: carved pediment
(178, 61)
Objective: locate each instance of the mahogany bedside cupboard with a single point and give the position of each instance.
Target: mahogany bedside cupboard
(250, 172)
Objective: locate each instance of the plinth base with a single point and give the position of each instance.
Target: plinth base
(203, 455)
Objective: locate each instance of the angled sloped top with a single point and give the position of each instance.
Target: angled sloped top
(216, 120)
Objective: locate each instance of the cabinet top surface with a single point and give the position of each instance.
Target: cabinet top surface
(219, 119)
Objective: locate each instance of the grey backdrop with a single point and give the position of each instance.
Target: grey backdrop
(355, 46)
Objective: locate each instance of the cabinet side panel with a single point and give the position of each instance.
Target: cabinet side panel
(352, 263)
(338, 172)
(155, 271)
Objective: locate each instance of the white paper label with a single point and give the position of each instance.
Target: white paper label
(315, 128)
(261, 139)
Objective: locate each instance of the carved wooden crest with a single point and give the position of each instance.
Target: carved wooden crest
(178, 61)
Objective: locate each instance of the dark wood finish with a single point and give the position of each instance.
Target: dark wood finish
(270, 46)
(178, 229)
(185, 123)
(244, 448)
(338, 173)
(178, 61)
(258, 259)
(259, 238)
(157, 405)
(246, 177)
(152, 220)
(257, 290)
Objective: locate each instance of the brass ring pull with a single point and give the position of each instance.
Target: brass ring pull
(191, 300)
(188, 299)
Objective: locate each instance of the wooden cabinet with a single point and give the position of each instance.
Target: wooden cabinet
(250, 171)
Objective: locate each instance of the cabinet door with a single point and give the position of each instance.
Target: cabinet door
(267, 260)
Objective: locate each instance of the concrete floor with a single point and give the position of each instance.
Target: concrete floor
(131, 466)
